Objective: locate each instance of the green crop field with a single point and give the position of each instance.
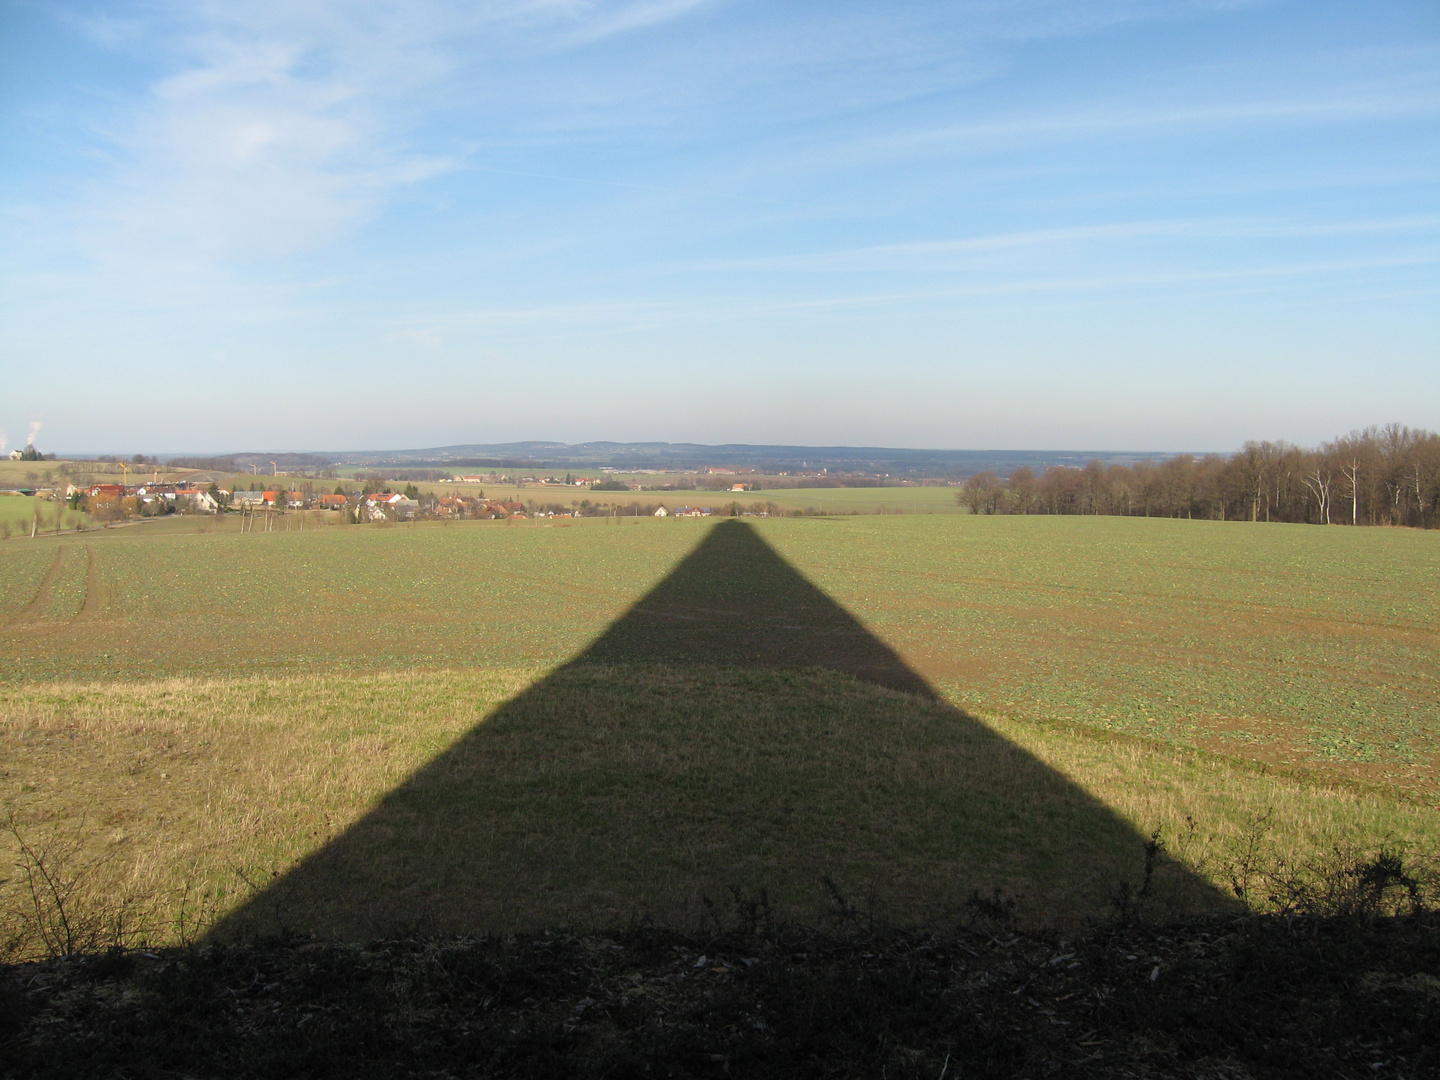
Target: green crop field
(489, 725)
(859, 500)
(891, 500)
(1285, 643)
(831, 501)
(17, 510)
(17, 514)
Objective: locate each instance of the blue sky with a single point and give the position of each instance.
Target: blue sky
(299, 225)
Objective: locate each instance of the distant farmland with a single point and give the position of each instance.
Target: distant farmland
(1013, 702)
(898, 499)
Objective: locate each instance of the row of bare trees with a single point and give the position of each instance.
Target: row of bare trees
(1386, 475)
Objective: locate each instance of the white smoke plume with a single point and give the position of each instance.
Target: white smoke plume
(35, 426)
(4, 439)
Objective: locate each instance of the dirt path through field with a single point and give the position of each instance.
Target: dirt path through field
(42, 592)
(93, 600)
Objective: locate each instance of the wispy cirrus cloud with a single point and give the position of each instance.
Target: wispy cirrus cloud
(1361, 105)
(626, 316)
(279, 127)
(919, 255)
(595, 21)
(1149, 280)
(1124, 119)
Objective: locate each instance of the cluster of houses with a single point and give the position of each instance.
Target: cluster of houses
(178, 496)
(704, 511)
(476, 507)
(381, 505)
(568, 481)
(151, 498)
(377, 506)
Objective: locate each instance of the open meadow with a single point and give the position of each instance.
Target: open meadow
(491, 725)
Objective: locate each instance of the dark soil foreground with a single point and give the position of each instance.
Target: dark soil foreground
(1250, 997)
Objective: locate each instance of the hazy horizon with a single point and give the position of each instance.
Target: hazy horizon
(63, 452)
(164, 454)
(1140, 223)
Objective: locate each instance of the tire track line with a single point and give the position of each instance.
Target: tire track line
(91, 606)
(42, 591)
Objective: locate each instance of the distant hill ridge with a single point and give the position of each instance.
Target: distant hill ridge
(537, 454)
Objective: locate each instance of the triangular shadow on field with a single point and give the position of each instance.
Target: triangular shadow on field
(697, 750)
(735, 602)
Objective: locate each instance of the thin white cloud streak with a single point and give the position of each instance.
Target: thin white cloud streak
(638, 16)
(919, 255)
(1031, 19)
(1079, 125)
(582, 313)
(624, 316)
(1093, 283)
(568, 179)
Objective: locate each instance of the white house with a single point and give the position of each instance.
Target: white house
(398, 505)
(198, 498)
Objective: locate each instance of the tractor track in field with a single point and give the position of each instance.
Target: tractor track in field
(93, 600)
(42, 591)
(90, 608)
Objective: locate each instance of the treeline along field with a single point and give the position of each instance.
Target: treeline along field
(1386, 475)
(1006, 699)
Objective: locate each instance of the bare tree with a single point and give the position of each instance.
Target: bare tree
(1319, 481)
(1253, 466)
(982, 493)
(1021, 485)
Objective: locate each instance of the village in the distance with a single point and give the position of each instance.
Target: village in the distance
(108, 492)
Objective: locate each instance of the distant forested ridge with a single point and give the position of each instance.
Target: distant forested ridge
(1379, 476)
(855, 461)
